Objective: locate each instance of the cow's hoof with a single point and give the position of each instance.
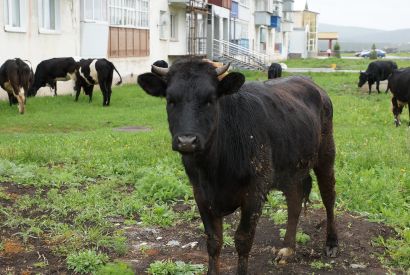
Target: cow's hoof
(283, 255)
(331, 251)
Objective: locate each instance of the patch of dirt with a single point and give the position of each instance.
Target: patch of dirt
(132, 129)
(28, 258)
(355, 248)
(147, 245)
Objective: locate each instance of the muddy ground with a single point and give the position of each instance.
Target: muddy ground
(357, 255)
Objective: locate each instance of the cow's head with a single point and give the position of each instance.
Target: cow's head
(363, 77)
(192, 91)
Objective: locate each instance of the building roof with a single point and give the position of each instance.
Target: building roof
(328, 35)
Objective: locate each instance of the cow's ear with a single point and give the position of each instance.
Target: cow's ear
(152, 84)
(231, 83)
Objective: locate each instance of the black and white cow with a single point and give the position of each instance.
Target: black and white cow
(95, 71)
(49, 71)
(16, 76)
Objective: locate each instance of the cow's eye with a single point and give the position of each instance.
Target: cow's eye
(209, 102)
(171, 103)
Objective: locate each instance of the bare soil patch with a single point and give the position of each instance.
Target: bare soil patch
(357, 255)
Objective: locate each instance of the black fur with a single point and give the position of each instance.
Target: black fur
(376, 72)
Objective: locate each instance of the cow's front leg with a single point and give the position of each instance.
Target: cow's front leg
(294, 197)
(370, 88)
(250, 213)
(213, 231)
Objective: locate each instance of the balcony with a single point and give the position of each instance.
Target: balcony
(287, 5)
(275, 22)
(287, 26)
(262, 18)
(180, 3)
(221, 3)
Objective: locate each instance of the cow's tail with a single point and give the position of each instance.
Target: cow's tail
(119, 82)
(307, 187)
(24, 73)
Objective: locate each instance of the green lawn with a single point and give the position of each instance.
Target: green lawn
(341, 64)
(80, 174)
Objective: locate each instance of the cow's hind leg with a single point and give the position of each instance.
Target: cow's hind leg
(250, 213)
(294, 193)
(326, 180)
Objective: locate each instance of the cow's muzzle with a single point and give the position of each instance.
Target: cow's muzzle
(186, 143)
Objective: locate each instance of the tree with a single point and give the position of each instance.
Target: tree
(336, 50)
(373, 53)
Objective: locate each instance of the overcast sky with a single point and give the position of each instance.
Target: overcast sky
(384, 15)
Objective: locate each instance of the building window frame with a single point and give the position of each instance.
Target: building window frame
(163, 23)
(8, 16)
(97, 16)
(44, 5)
(173, 27)
(134, 16)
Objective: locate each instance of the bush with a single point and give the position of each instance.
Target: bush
(336, 49)
(373, 53)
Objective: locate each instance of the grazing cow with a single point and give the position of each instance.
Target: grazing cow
(274, 71)
(49, 71)
(16, 76)
(95, 71)
(376, 72)
(239, 141)
(399, 84)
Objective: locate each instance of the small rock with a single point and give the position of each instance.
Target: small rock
(173, 243)
(159, 238)
(191, 244)
(356, 266)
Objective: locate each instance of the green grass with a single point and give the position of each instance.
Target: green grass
(84, 174)
(341, 64)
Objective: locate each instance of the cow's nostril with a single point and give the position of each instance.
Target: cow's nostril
(187, 139)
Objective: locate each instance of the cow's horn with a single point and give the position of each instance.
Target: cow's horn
(222, 69)
(160, 71)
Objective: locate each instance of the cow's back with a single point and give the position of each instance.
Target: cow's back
(285, 116)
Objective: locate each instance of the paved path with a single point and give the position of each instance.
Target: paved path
(318, 70)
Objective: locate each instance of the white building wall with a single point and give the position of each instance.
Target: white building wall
(35, 46)
(298, 42)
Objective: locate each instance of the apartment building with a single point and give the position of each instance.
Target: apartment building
(135, 33)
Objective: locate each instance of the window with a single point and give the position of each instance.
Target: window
(129, 13)
(174, 27)
(94, 10)
(49, 16)
(163, 25)
(14, 14)
(244, 2)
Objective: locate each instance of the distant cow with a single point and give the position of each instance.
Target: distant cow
(376, 72)
(240, 140)
(95, 71)
(16, 76)
(49, 71)
(274, 71)
(399, 84)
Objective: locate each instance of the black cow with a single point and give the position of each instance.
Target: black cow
(49, 71)
(16, 76)
(95, 71)
(274, 71)
(376, 72)
(238, 141)
(399, 84)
